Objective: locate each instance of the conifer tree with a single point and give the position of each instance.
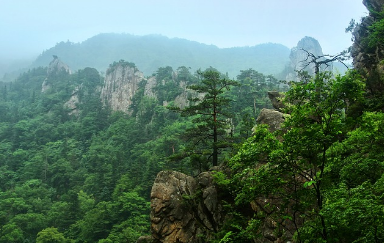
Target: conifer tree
(208, 110)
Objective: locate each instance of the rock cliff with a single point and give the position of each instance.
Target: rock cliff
(299, 58)
(55, 67)
(120, 85)
(183, 208)
(123, 80)
(189, 209)
(368, 55)
(366, 58)
(72, 103)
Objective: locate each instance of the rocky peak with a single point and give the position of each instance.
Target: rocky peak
(55, 67)
(121, 83)
(299, 58)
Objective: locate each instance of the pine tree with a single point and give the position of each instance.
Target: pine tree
(207, 109)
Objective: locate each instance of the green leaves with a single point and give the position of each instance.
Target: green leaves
(287, 175)
(207, 110)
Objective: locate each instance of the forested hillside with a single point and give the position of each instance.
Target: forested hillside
(86, 175)
(81, 151)
(154, 51)
(318, 178)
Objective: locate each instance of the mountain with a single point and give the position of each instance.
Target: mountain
(153, 51)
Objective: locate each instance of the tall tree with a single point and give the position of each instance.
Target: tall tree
(208, 111)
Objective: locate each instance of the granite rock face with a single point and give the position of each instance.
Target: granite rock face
(299, 60)
(272, 118)
(184, 208)
(73, 102)
(121, 84)
(276, 99)
(365, 58)
(55, 67)
(188, 209)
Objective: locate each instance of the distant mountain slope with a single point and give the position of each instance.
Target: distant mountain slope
(153, 51)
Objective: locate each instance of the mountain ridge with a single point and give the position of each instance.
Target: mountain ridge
(150, 52)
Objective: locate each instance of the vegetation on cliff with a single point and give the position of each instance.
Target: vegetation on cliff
(86, 176)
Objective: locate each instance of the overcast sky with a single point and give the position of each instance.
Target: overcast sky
(27, 27)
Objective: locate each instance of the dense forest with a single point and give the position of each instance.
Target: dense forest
(85, 175)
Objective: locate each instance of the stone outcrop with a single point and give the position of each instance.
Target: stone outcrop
(188, 209)
(365, 58)
(55, 67)
(276, 99)
(375, 5)
(184, 208)
(73, 102)
(272, 118)
(121, 84)
(145, 239)
(149, 87)
(123, 80)
(181, 100)
(299, 60)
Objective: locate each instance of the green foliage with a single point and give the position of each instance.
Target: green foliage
(121, 63)
(50, 235)
(301, 170)
(248, 99)
(376, 36)
(210, 118)
(87, 177)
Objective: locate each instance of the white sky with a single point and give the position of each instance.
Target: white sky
(28, 27)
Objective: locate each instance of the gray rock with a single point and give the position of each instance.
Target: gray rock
(299, 58)
(272, 118)
(376, 5)
(145, 239)
(55, 67)
(121, 84)
(276, 99)
(183, 208)
(366, 58)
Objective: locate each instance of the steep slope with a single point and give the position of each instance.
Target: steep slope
(121, 83)
(368, 50)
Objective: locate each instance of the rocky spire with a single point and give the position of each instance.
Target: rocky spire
(299, 58)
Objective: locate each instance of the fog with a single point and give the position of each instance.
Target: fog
(29, 27)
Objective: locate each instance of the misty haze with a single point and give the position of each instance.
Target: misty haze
(191, 121)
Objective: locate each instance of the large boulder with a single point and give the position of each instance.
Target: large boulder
(276, 99)
(184, 208)
(272, 118)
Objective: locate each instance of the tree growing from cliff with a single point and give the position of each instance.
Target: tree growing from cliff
(208, 111)
(319, 60)
(294, 169)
